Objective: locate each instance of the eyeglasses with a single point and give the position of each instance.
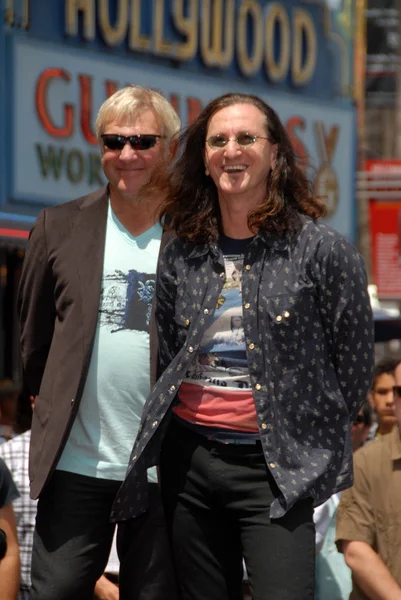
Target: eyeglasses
(113, 141)
(243, 139)
(397, 390)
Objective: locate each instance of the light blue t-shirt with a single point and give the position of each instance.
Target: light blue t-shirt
(118, 383)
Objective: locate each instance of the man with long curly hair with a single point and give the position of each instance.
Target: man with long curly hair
(261, 435)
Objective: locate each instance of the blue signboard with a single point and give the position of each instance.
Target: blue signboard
(296, 46)
(63, 59)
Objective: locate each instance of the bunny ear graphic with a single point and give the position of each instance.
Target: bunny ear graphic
(326, 183)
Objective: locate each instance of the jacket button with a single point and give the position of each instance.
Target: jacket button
(258, 386)
(279, 318)
(247, 305)
(272, 465)
(222, 275)
(247, 267)
(154, 423)
(172, 388)
(251, 346)
(134, 457)
(187, 322)
(206, 311)
(264, 426)
(190, 349)
(286, 314)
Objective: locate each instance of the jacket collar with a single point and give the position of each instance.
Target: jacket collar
(88, 236)
(277, 242)
(274, 241)
(193, 251)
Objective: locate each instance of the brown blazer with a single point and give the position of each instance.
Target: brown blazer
(58, 304)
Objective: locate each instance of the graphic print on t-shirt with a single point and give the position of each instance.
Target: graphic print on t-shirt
(221, 360)
(126, 300)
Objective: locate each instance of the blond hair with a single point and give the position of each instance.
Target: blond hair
(129, 102)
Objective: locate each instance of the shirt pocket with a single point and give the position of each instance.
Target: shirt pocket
(290, 321)
(292, 344)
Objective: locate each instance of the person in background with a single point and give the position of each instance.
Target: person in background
(9, 392)
(361, 427)
(89, 353)
(382, 397)
(9, 558)
(250, 441)
(333, 577)
(15, 454)
(368, 520)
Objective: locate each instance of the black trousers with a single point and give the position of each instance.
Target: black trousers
(73, 536)
(217, 499)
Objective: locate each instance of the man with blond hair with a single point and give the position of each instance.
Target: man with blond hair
(90, 354)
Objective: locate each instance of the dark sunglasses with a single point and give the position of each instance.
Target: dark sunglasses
(397, 390)
(113, 141)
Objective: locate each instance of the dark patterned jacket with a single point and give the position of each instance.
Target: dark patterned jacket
(309, 335)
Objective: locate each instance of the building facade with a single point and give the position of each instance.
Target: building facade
(60, 60)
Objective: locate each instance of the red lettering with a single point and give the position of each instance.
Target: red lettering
(42, 86)
(175, 102)
(194, 109)
(299, 147)
(85, 83)
(111, 88)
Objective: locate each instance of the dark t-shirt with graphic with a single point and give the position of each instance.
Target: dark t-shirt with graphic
(217, 391)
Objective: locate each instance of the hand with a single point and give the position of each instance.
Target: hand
(106, 590)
